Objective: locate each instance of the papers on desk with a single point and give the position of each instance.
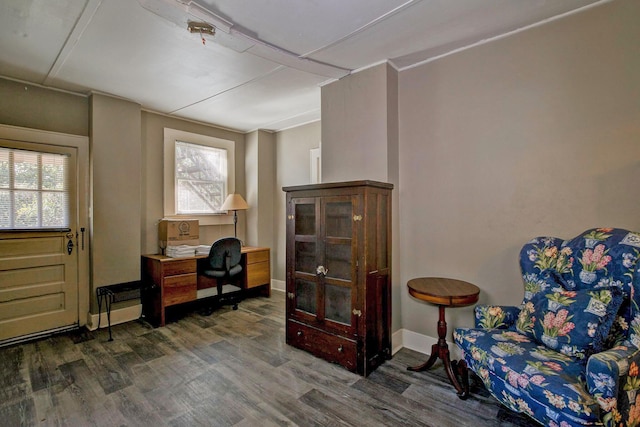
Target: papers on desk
(181, 251)
(203, 250)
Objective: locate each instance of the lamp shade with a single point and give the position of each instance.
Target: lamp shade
(234, 202)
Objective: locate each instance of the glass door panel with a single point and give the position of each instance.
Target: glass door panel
(338, 219)
(305, 219)
(306, 296)
(337, 304)
(337, 260)
(306, 257)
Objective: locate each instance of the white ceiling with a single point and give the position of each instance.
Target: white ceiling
(264, 67)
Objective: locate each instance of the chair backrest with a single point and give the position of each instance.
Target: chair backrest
(225, 253)
(597, 258)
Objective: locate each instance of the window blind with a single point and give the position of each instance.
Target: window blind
(34, 190)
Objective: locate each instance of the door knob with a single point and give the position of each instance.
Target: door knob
(322, 270)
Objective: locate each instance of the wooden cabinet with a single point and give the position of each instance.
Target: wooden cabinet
(170, 281)
(338, 272)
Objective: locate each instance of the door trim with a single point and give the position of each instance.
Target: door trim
(81, 144)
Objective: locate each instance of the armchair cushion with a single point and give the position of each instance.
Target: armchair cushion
(529, 377)
(575, 323)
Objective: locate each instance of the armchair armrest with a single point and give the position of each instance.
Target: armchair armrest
(609, 373)
(496, 316)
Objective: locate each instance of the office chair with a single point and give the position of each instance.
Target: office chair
(223, 265)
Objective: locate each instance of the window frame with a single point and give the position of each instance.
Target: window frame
(169, 189)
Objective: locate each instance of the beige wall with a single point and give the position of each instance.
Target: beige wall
(354, 127)
(534, 134)
(115, 156)
(34, 107)
(152, 177)
(292, 168)
(260, 178)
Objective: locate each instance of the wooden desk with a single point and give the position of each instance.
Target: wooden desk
(169, 281)
(444, 293)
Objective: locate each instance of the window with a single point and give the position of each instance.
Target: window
(198, 175)
(33, 190)
(201, 178)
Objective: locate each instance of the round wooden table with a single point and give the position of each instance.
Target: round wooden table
(444, 293)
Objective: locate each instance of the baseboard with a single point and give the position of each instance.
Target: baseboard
(278, 285)
(405, 338)
(120, 315)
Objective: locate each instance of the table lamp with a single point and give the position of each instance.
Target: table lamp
(235, 203)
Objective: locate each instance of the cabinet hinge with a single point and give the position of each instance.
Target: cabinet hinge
(290, 216)
(357, 312)
(357, 217)
(291, 295)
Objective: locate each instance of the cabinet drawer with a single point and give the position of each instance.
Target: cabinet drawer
(258, 256)
(325, 345)
(258, 274)
(183, 266)
(179, 289)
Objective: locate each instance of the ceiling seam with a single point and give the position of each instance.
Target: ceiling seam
(255, 79)
(505, 35)
(364, 27)
(79, 28)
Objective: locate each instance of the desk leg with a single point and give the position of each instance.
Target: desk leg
(441, 350)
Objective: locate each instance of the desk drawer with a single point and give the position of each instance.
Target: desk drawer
(179, 266)
(258, 256)
(258, 274)
(179, 289)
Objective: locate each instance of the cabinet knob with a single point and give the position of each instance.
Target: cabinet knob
(299, 333)
(322, 270)
(340, 349)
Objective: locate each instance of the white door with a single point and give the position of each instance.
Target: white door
(38, 239)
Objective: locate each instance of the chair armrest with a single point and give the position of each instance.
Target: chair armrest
(611, 372)
(496, 316)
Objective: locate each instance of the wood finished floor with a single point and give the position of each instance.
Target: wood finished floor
(231, 368)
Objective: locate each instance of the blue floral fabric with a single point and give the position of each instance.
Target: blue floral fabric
(575, 323)
(568, 355)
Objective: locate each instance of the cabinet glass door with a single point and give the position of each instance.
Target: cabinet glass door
(305, 284)
(338, 259)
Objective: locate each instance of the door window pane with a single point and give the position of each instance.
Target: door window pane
(305, 219)
(306, 257)
(338, 219)
(338, 260)
(338, 304)
(34, 189)
(306, 296)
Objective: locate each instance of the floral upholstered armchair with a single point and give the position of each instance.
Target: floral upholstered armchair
(569, 354)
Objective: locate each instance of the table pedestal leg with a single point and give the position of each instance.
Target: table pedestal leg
(441, 350)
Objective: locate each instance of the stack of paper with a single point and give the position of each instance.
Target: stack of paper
(181, 251)
(203, 250)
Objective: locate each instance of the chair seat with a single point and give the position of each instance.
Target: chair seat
(221, 273)
(528, 377)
